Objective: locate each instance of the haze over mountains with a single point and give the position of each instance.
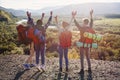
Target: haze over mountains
(83, 9)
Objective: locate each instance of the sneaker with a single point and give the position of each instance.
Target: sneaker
(81, 71)
(43, 68)
(26, 66)
(60, 69)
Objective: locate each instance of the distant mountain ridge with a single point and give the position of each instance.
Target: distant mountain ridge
(13, 11)
(83, 9)
(4, 14)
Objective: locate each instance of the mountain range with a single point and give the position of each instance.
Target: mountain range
(82, 9)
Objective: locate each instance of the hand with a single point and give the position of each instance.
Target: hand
(51, 13)
(43, 14)
(91, 12)
(55, 17)
(74, 13)
(28, 14)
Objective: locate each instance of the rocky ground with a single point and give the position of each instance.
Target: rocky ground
(11, 69)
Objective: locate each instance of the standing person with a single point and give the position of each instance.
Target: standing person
(28, 62)
(40, 42)
(84, 50)
(65, 36)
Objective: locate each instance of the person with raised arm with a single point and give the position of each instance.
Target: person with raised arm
(84, 49)
(29, 62)
(64, 43)
(39, 43)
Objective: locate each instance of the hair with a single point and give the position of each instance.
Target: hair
(39, 22)
(64, 24)
(85, 20)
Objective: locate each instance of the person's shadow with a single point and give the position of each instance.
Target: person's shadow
(19, 74)
(36, 75)
(81, 76)
(89, 76)
(65, 76)
(59, 76)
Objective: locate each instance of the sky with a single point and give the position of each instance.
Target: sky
(39, 4)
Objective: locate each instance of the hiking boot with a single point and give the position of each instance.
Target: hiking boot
(60, 69)
(66, 69)
(81, 71)
(26, 66)
(89, 70)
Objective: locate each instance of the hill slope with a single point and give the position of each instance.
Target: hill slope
(13, 11)
(7, 15)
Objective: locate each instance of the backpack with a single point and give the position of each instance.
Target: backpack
(28, 34)
(65, 39)
(39, 37)
(89, 39)
(22, 35)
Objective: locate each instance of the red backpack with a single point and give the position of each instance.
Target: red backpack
(22, 35)
(35, 35)
(65, 39)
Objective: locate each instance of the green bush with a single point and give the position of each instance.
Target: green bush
(8, 39)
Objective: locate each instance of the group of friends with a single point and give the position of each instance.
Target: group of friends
(64, 35)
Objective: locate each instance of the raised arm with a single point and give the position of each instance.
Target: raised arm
(28, 15)
(56, 20)
(43, 14)
(49, 20)
(30, 20)
(58, 25)
(91, 18)
(75, 21)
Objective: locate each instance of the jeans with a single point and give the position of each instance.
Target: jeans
(85, 51)
(40, 50)
(61, 52)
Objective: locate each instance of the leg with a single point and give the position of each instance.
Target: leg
(60, 57)
(66, 57)
(82, 60)
(37, 49)
(29, 60)
(82, 57)
(87, 53)
(42, 49)
(42, 52)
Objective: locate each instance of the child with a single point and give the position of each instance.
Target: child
(28, 62)
(64, 42)
(40, 42)
(82, 28)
